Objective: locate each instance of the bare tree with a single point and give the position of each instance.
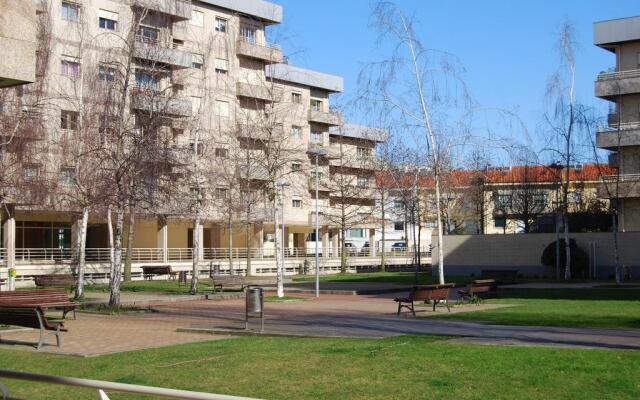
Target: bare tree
(410, 85)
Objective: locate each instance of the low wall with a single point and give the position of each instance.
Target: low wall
(469, 254)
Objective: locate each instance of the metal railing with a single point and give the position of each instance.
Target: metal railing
(604, 76)
(256, 42)
(105, 386)
(156, 255)
(625, 126)
(3, 253)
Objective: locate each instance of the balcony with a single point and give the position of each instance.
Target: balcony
(325, 118)
(323, 185)
(273, 133)
(259, 92)
(154, 50)
(627, 134)
(611, 84)
(270, 53)
(152, 101)
(367, 192)
(180, 10)
(623, 186)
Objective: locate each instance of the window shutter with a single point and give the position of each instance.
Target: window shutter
(108, 15)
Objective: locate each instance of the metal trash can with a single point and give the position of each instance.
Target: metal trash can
(254, 305)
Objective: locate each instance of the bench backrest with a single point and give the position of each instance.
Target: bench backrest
(229, 279)
(62, 280)
(430, 292)
(156, 269)
(27, 317)
(34, 297)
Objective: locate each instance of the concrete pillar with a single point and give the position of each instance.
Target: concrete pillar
(325, 241)
(162, 238)
(75, 237)
(9, 242)
(291, 243)
(200, 232)
(372, 242)
(335, 242)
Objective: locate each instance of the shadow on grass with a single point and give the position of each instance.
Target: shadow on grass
(572, 294)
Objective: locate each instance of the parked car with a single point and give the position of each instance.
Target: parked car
(399, 247)
(351, 248)
(365, 250)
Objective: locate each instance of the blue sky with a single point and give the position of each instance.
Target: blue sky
(506, 47)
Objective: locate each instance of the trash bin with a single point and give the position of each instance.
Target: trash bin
(254, 305)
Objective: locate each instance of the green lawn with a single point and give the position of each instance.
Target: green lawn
(384, 277)
(153, 286)
(398, 368)
(606, 308)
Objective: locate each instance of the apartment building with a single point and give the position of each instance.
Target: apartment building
(621, 87)
(202, 77)
(17, 42)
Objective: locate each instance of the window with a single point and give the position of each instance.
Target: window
(148, 34)
(31, 172)
(504, 201)
(70, 68)
(363, 152)
(500, 222)
(221, 25)
(198, 150)
(70, 11)
(355, 233)
(296, 166)
(67, 176)
(398, 205)
(221, 152)
(222, 66)
(68, 120)
(296, 98)
(197, 61)
(296, 132)
(146, 80)
(540, 199)
(106, 73)
(107, 20)
(574, 197)
(363, 181)
(316, 105)
(197, 18)
(221, 193)
(107, 124)
(295, 203)
(398, 226)
(320, 175)
(222, 108)
(316, 137)
(248, 34)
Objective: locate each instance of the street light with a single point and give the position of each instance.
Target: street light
(317, 152)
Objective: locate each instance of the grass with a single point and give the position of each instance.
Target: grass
(173, 287)
(424, 278)
(403, 367)
(109, 310)
(602, 308)
(285, 298)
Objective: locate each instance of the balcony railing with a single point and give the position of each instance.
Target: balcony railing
(151, 100)
(3, 254)
(179, 9)
(605, 76)
(169, 53)
(326, 118)
(250, 47)
(625, 126)
(185, 255)
(621, 178)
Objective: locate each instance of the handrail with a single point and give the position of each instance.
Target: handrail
(255, 42)
(621, 178)
(102, 386)
(619, 127)
(618, 75)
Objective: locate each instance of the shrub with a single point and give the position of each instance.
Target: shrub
(579, 259)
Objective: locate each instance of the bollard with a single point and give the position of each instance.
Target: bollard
(254, 306)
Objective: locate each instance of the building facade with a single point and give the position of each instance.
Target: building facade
(193, 112)
(17, 42)
(620, 86)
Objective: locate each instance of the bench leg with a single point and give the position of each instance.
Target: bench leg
(399, 307)
(413, 310)
(41, 340)
(447, 303)
(57, 333)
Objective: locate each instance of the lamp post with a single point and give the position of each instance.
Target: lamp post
(317, 152)
(282, 184)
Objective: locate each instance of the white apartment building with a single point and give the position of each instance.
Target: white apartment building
(201, 76)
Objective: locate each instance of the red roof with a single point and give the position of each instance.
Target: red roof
(515, 174)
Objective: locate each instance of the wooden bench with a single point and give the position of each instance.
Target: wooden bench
(43, 298)
(60, 280)
(500, 275)
(433, 293)
(477, 290)
(220, 281)
(31, 317)
(148, 271)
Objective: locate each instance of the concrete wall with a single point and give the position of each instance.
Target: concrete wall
(17, 42)
(469, 254)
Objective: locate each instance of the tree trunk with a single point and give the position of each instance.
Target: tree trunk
(567, 246)
(440, 235)
(130, 239)
(343, 256)
(230, 234)
(249, 238)
(616, 254)
(114, 298)
(383, 235)
(82, 243)
(111, 246)
(278, 255)
(195, 256)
